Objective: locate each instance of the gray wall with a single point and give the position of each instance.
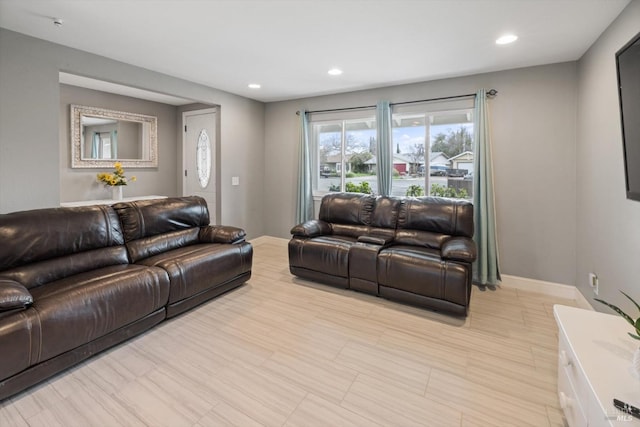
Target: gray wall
(30, 155)
(534, 134)
(608, 240)
(81, 184)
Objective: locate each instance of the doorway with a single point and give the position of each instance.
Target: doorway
(199, 156)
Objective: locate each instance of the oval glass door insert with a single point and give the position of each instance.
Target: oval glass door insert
(203, 158)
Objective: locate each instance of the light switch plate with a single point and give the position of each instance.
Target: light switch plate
(235, 180)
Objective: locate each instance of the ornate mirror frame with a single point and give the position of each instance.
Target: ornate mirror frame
(149, 143)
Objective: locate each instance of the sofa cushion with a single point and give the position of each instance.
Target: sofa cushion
(421, 271)
(40, 273)
(144, 218)
(385, 212)
(347, 208)
(153, 245)
(19, 342)
(196, 268)
(438, 215)
(420, 238)
(81, 308)
(43, 234)
(325, 254)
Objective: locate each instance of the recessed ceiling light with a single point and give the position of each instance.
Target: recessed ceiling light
(506, 39)
(335, 71)
(254, 86)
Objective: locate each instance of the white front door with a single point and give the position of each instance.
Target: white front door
(199, 157)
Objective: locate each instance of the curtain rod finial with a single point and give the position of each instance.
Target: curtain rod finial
(492, 92)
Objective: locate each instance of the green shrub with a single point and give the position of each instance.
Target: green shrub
(350, 175)
(415, 191)
(363, 187)
(450, 192)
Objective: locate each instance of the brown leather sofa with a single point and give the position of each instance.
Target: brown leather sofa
(414, 250)
(75, 281)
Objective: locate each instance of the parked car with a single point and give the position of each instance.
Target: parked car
(325, 171)
(468, 177)
(437, 170)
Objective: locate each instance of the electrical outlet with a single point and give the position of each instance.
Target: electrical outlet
(593, 282)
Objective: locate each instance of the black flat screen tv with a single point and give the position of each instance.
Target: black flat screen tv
(628, 68)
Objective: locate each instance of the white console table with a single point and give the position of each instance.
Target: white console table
(109, 201)
(594, 367)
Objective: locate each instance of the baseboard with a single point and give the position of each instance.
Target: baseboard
(547, 288)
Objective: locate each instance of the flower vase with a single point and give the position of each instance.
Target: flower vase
(116, 192)
(635, 364)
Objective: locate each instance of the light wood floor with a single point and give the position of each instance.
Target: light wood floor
(281, 351)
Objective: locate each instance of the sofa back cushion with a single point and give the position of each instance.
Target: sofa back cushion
(451, 217)
(64, 241)
(348, 213)
(154, 226)
(347, 208)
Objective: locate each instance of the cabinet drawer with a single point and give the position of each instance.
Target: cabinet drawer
(569, 366)
(569, 401)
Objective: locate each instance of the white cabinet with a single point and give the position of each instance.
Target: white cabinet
(108, 201)
(594, 367)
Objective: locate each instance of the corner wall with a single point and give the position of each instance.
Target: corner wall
(608, 225)
(29, 127)
(81, 184)
(534, 133)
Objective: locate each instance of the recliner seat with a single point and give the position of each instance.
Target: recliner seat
(414, 250)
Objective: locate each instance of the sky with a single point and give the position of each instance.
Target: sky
(406, 137)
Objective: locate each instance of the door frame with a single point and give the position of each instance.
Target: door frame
(215, 166)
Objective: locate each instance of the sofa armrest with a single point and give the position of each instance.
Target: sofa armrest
(376, 240)
(221, 234)
(13, 297)
(459, 249)
(311, 228)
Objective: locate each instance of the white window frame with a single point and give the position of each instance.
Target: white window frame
(429, 112)
(341, 118)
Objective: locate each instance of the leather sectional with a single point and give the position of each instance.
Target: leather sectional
(76, 281)
(414, 250)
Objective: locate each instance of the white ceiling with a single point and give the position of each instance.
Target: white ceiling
(288, 46)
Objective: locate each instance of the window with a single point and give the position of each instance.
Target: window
(345, 155)
(434, 150)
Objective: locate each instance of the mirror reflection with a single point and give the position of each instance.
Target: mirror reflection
(100, 136)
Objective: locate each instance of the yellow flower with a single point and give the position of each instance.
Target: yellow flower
(133, 178)
(115, 178)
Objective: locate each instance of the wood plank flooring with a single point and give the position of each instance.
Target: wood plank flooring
(281, 351)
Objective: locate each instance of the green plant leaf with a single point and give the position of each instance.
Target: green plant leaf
(617, 310)
(631, 299)
(633, 336)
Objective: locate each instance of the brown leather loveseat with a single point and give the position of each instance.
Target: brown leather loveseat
(75, 281)
(414, 250)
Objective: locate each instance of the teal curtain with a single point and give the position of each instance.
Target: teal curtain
(95, 146)
(383, 148)
(485, 269)
(114, 144)
(304, 206)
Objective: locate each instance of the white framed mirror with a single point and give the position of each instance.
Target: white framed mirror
(100, 137)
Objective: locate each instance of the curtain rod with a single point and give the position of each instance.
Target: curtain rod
(490, 93)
